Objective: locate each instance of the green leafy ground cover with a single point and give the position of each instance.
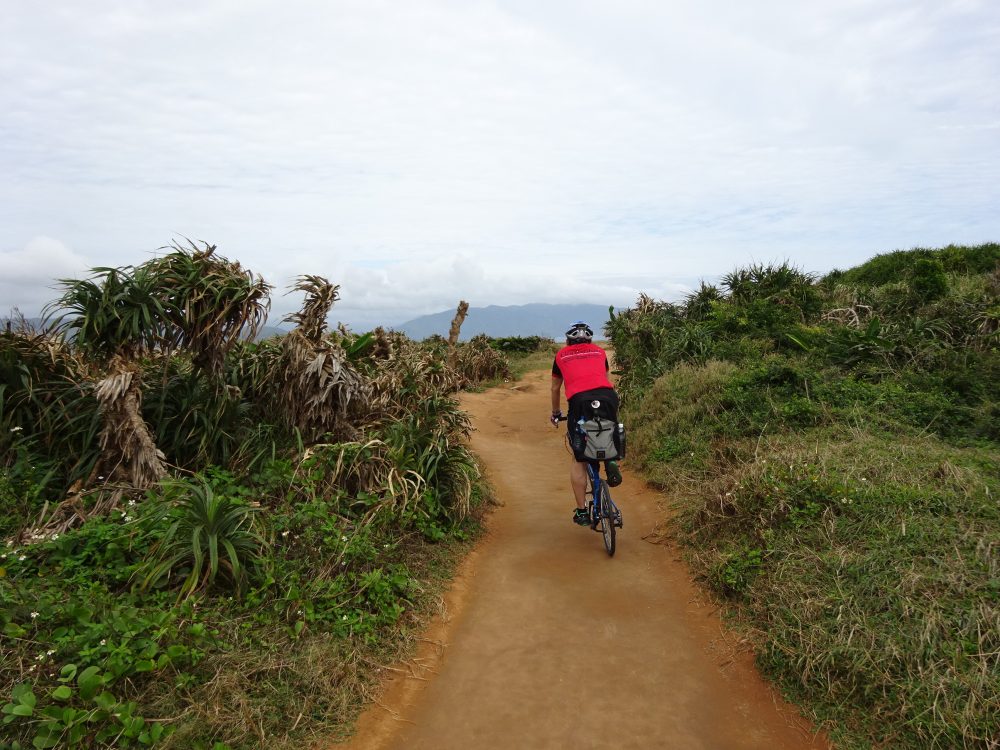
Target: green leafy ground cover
(332, 592)
(211, 543)
(831, 446)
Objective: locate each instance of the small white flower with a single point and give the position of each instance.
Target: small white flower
(40, 657)
(131, 503)
(22, 558)
(284, 533)
(103, 641)
(343, 538)
(386, 546)
(16, 429)
(100, 477)
(50, 652)
(54, 537)
(344, 617)
(863, 479)
(127, 519)
(34, 615)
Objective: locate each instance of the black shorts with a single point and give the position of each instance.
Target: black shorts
(581, 405)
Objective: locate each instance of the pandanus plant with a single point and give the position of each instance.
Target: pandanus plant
(314, 383)
(190, 300)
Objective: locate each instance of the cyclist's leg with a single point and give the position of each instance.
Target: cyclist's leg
(578, 481)
(577, 470)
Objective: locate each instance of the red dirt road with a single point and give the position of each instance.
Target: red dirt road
(546, 642)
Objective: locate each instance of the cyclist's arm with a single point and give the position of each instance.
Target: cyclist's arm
(557, 383)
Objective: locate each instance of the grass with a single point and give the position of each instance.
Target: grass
(831, 447)
(865, 562)
(309, 689)
(522, 364)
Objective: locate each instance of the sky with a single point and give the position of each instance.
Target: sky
(501, 152)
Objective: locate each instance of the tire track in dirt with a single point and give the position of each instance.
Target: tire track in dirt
(546, 642)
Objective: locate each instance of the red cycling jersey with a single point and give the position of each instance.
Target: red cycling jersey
(583, 367)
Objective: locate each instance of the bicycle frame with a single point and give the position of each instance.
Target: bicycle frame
(603, 511)
(594, 503)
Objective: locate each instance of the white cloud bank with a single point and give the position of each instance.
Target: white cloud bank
(30, 274)
(501, 152)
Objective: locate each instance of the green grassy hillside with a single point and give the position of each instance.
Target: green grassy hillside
(832, 449)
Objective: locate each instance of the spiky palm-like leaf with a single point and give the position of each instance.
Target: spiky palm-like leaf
(780, 284)
(698, 304)
(44, 399)
(206, 535)
(208, 303)
(116, 312)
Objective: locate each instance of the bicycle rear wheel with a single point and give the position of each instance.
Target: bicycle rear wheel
(607, 511)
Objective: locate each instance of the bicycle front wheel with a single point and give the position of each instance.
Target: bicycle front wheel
(607, 511)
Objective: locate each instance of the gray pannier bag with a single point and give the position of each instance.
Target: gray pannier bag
(598, 437)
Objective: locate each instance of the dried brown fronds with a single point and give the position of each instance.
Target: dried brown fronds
(855, 316)
(477, 362)
(128, 451)
(411, 374)
(314, 383)
(321, 295)
(316, 387)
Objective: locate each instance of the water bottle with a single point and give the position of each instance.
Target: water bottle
(621, 440)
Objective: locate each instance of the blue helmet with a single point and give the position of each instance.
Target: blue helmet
(579, 333)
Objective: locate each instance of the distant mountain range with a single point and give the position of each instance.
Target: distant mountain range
(496, 320)
(513, 320)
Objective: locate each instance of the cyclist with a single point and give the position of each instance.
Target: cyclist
(583, 368)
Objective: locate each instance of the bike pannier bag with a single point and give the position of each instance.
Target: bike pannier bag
(599, 442)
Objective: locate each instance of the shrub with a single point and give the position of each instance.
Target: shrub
(205, 534)
(927, 280)
(519, 344)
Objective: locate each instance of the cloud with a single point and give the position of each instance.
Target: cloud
(30, 273)
(419, 152)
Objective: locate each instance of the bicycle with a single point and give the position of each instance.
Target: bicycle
(600, 507)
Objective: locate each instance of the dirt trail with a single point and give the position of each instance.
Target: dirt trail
(549, 643)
